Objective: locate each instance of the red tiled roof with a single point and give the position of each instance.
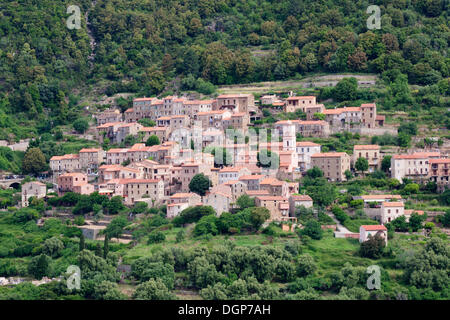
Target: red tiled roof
(307, 144)
(72, 174)
(251, 177)
(109, 124)
(318, 122)
(328, 155)
(367, 105)
(374, 227)
(257, 192)
(140, 181)
(150, 129)
(239, 95)
(90, 150)
(143, 99)
(417, 155)
(437, 161)
(381, 196)
(182, 195)
(393, 204)
(301, 98)
(301, 197)
(366, 147)
(271, 198)
(65, 157)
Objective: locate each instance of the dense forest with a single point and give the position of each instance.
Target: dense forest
(146, 46)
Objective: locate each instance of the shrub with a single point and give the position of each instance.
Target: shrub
(312, 229)
(156, 237)
(373, 247)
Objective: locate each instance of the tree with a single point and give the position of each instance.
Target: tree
(34, 161)
(139, 208)
(106, 247)
(348, 174)
(409, 128)
(40, 266)
(159, 270)
(58, 135)
(372, 247)
(114, 205)
(116, 226)
(446, 219)
(285, 270)
(444, 198)
(200, 184)
(82, 244)
(314, 173)
(156, 237)
(323, 194)
(206, 225)
(319, 116)
(400, 224)
(411, 188)
(193, 214)
(129, 141)
(362, 164)
(386, 163)
(258, 216)
(312, 229)
(415, 221)
(147, 122)
(244, 201)
(427, 267)
(268, 159)
(346, 89)
(80, 125)
(357, 61)
(107, 290)
(202, 273)
(180, 236)
(306, 265)
(153, 290)
(52, 247)
(153, 140)
(98, 250)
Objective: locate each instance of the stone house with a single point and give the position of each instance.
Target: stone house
(33, 189)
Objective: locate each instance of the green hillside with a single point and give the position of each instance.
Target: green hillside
(146, 46)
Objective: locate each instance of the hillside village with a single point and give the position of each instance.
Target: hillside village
(186, 131)
(225, 150)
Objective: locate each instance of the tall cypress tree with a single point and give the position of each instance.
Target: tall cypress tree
(82, 242)
(98, 250)
(106, 246)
